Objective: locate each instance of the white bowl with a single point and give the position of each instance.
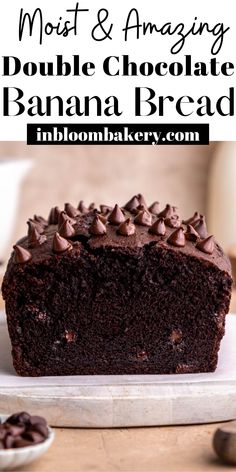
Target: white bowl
(12, 458)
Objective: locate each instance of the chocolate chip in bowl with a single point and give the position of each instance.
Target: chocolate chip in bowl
(23, 438)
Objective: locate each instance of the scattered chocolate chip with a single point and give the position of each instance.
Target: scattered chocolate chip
(21, 417)
(158, 228)
(116, 217)
(71, 211)
(200, 227)
(143, 218)
(60, 244)
(35, 419)
(206, 245)
(33, 436)
(177, 238)
(8, 441)
(192, 219)
(154, 208)
(224, 443)
(34, 237)
(21, 254)
(66, 230)
(41, 429)
(127, 228)
(191, 234)
(54, 215)
(167, 212)
(173, 221)
(97, 227)
(132, 204)
(20, 442)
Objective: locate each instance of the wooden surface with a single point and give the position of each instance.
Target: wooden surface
(159, 449)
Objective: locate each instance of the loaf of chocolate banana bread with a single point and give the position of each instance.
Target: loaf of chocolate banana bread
(116, 290)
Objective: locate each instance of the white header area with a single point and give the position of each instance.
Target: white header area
(142, 61)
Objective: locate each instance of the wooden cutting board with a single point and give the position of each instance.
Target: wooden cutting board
(117, 401)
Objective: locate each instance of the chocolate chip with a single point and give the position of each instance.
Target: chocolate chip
(116, 217)
(60, 244)
(21, 254)
(173, 221)
(200, 227)
(71, 211)
(154, 208)
(82, 208)
(33, 436)
(177, 238)
(54, 215)
(21, 417)
(97, 227)
(192, 219)
(191, 234)
(20, 442)
(143, 218)
(34, 419)
(167, 212)
(34, 237)
(132, 204)
(127, 228)
(66, 230)
(224, 443)
(158, 227)
(206, 245)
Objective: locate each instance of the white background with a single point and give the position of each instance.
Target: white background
(153, 48)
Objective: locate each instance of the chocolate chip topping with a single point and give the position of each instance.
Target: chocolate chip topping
(82, 208)
(191, 234)
(200, 227)
(141, 200)
(54, 216)
(158, 228)
(116, 217)
(60, 244)
(154, 208)
(127, 228)
(132, 204)
(71, 211)
(105, 209)
(41, 221)
(92, 206)
(167, 212)
(97, 227)
(21, 254)
(64, 217)
(143, 218)
(38, 226)
(173, 221)
(192, 219)
(66, 230)
(34, 237)
(206, 245)
(177, 238)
